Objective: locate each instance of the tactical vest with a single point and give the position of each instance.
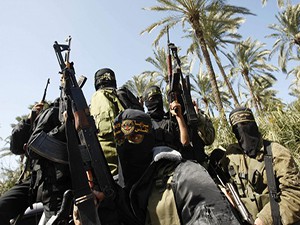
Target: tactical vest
(165, 134)
(249, 176)
(105, 106)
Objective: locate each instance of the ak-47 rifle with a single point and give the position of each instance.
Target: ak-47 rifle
(184, 85)
(33, 112)
(174, 78)
(88, 166)
(228, 188)
(45, 91)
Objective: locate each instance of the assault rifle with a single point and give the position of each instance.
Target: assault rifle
(228, 188)
(33, 113)
(88, 166)
(183, 87)
(45, 91)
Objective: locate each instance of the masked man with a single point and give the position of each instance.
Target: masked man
(245, 165)
(174, 131)
(105, 106)
(163, 188)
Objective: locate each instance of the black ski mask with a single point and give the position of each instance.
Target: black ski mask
(246, 131)
(134, 138)
(105, 78)
(154, 102)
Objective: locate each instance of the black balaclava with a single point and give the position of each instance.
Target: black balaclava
(105, 78)
(154, 102)
(246, 131)
(134, 158)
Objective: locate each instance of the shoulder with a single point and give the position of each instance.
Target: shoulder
(190, 177)
(278, 149)
(233, 149)
(281, 153)
(189, 170)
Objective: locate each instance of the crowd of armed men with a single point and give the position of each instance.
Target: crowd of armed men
(161, 173)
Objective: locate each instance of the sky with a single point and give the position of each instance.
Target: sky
(104, 34)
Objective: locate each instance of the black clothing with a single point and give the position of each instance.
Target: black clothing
(248, 137)
(105, 78)
(198, 199)
(54, 177)
(134, 158)
(14, 202)
(48, 180)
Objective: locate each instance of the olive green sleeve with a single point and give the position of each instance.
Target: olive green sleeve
(287, 173)
(206, 129)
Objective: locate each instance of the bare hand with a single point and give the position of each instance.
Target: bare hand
(258, 222)
(37, 108)
(99, 195)
(175, 108)
(76, 218)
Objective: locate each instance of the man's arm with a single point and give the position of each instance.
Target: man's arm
(22, 131)
(206, 130)
(184, 135)
(287, 173)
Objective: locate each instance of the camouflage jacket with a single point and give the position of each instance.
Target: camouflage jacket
(104, 107)
(250, 178)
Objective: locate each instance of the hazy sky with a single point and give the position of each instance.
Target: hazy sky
(104, 34)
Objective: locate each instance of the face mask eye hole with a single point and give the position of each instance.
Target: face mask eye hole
(135, 138)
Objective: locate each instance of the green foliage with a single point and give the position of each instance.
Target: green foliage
(224, 136)
(281, 125)
(10, 176)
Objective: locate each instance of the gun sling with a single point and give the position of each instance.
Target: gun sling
(49, 148)
(273, 192)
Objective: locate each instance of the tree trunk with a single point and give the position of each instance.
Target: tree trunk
(247, 80)
(199, 34)
(229, 86)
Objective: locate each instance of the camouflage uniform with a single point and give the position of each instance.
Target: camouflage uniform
(105, 106)
(205, 129)
(249, 175)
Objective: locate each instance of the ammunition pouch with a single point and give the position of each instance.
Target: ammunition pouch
(48, 147)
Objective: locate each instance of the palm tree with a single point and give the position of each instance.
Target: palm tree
(250, 60)
(280, 3)
(139, 83)
(295, 85)
(160, 63)
(188, 12)
(266, 96)
(160, 74)
(287, 34)
(203, 90)
(220, 29)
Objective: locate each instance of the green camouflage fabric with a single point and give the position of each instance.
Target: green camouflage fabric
(206, 129)
(104, 107)
(250, 177)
